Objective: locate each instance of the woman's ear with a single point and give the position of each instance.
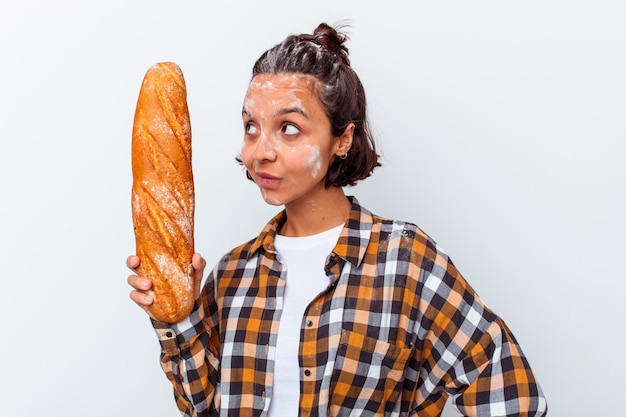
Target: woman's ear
(344, 142)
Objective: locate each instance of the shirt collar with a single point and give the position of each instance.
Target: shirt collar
(355, 235)
(265, 240)
(352, 243)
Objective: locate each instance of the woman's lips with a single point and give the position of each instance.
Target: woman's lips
(266, 180)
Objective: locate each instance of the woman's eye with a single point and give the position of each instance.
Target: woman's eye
(290, 129)
(250, 128)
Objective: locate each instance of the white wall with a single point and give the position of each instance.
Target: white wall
(503, 133)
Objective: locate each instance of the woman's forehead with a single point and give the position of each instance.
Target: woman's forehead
(281, 81)
(281, 90)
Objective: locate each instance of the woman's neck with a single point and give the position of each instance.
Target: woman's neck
(309, 216)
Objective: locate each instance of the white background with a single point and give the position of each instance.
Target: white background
(502, 125)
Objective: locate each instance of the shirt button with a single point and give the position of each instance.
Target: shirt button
(307, 372)
(309, 323)
(168, 334)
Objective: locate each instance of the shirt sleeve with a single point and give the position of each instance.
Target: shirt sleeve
(471, 355)
(497, 378)
(189, 356)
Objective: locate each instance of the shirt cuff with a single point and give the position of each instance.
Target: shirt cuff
(171, 336)
(183, 325)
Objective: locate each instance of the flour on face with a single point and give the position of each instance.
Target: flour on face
(314, 161)
(287, 145)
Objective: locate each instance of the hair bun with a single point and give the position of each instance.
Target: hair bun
(330, 39)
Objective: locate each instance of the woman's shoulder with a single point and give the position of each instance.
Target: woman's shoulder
(396, 228)
(241, 251)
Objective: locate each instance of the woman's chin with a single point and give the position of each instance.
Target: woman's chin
(272, 201)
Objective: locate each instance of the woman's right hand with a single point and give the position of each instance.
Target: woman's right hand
(142, 288)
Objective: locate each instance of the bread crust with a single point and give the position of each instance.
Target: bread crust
(163, 191)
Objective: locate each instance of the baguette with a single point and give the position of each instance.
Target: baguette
(163, 191)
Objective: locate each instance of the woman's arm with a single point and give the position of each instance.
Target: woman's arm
(189, 349)
(470, 354)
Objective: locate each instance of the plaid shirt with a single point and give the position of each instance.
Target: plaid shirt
(395, 333)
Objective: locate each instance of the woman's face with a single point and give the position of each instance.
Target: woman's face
(287, 146)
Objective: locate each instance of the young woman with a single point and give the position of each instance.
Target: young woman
(332, 310)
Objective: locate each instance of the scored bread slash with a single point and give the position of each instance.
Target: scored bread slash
(163, 191)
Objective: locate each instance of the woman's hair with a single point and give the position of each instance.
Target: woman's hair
(324, 56)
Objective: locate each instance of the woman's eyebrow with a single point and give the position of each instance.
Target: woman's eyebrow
(287, 110)
(295, 109)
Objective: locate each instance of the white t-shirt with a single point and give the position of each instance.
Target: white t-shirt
(304, 259)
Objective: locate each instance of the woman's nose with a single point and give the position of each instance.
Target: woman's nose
(265, 148)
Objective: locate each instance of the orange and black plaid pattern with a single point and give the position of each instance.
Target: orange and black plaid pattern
(396, 332)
